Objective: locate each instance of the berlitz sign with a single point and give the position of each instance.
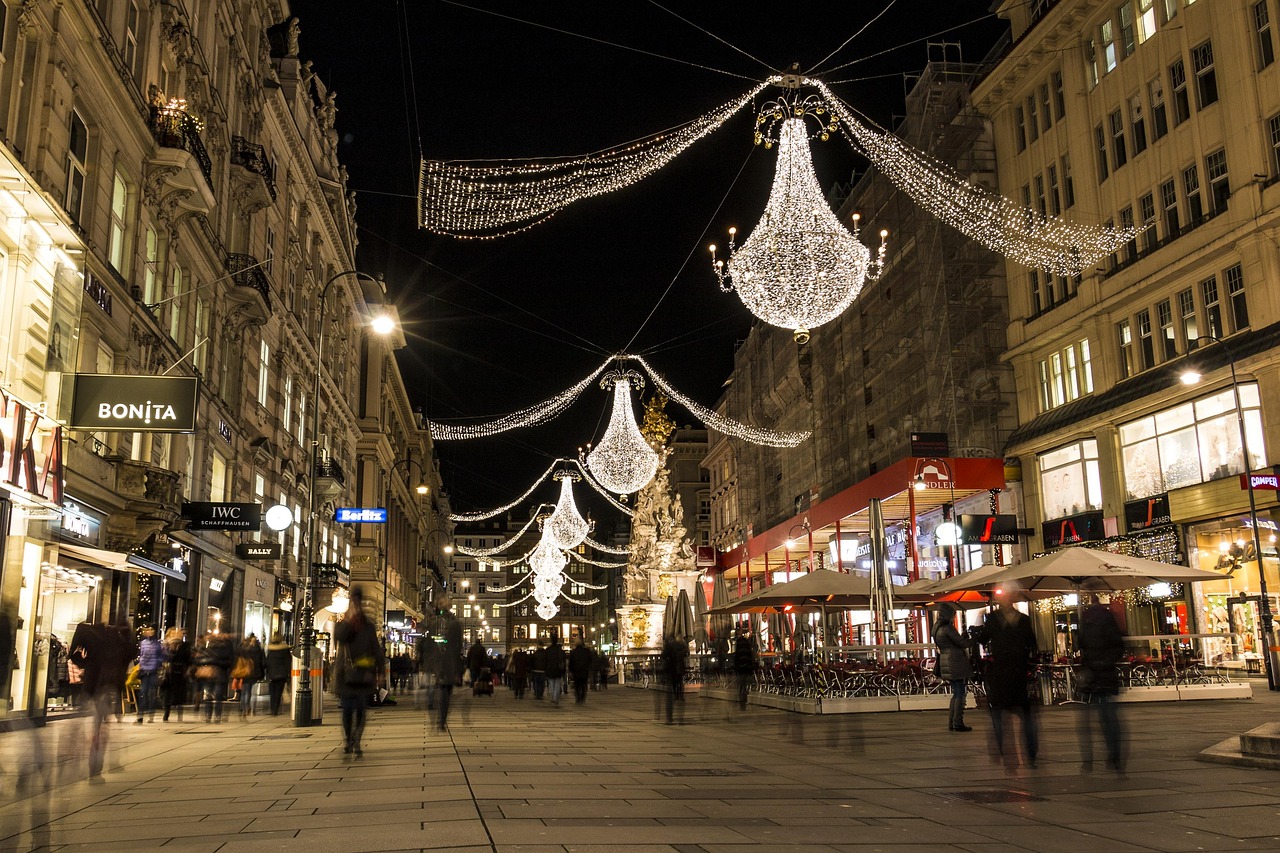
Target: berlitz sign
(360, 515)
(102, 401)
(222, 516)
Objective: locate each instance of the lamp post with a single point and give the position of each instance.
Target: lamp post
(421, 489)
(1190, 376)
(302, 697)
(791, 543)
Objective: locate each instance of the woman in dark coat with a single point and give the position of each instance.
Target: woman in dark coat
(519, 672)
(1101, 649)
(1011, 645)
(255, 665)
(580, 670)
(173, 677)
(953, 663)
(359, 669)
(279, 668)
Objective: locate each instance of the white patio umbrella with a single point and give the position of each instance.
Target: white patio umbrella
(1067, 570)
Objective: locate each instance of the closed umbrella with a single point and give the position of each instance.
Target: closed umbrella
(721, 623)
(700, 632)
(682, 622)
(669, 617)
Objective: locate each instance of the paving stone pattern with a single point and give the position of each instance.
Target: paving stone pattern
(610, 775)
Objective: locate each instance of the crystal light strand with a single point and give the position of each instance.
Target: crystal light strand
(492, 199)
(530, 416)
(498, 549)
(480, 516)
(719, 423)
(1017, 232)
(623, 462)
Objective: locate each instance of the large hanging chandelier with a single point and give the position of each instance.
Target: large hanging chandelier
(566, 525)
(623, 462)
(547, 562)
(800, 267)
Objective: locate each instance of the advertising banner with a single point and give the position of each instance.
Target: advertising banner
(204, 515)
(106, 401)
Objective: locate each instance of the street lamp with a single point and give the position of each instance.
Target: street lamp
(421, 489)
(383, 324)
(1191, 376)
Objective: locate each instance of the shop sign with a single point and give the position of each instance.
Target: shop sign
(930, 444)
(360, 515)
(30, 450)
(706, 556)
(1085, 527)
(97, 291)
(1269, 482)
(1148, 512)
(988, 529)
(79, 523)
(204, 515)
(105, 401)
(256, 551)
(224, 430)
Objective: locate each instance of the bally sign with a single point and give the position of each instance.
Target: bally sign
(102, 401)
(219, 516)
(254, 551)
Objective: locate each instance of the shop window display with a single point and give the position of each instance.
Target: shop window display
(1230, 607)
(1070, 480)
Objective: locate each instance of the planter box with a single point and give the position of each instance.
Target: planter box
(929, 702)
(1233, 690)
(1159, 693)
(868, 705)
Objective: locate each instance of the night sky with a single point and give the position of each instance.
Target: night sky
(496, 325)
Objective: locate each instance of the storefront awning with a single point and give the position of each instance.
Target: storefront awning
(121, 562)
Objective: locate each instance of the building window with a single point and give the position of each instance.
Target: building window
(1128, 36)
(286, 411)
(1037, 306)
(1041, 206)
(1193, 443)
(118, 228)
(1137, 125)
(77, 157)
(1020, 128)
(1187, 313)
(1070, 480)
(1055, 199)
(1055, 380)
(1068, 183)
(1181, 100)
(1191, 185)
(1169, 201)
(1164, 314)
(1146, 20)
(1146, 345)
(1235, 292)
(1108, 33)
(1100, 147)
(131, 55)
(1059, 97)
(1262, 26)
(269, 250)
(1033, 119)
(1159, 120)
(1215, 168)
(1274, 126)
(1065, 376)
(264, 371)
(150, 268)
(200, 359)
(218, 478)
(1125, 333)
(1119, 154)
(1147, 210)
(1206, 77)
(175, 305)
(1046, 113)
(1212, 307)
(1127, 224)
(302, 417)
(1091, 62)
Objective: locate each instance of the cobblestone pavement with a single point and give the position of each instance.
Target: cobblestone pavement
(610, 775)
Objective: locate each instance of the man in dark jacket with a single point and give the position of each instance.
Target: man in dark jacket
(361, 668)
(1101, 649)
(744, 664)
(448, 659)
(1011, 645)
(279, 668)
(104, 653)
(953, 663)
(580, 670)
(675, 664)
(555, 669)
(538, 670)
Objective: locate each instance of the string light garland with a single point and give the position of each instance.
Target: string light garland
(582, 558)
(566, 525)
(491, 199)
(606, 549)
(498, 549)
(569, 598)
(623, 462)
(720, 423)
(591, 481)
(531, 416)
(483, 514)
(800, 267)
(1010, 229)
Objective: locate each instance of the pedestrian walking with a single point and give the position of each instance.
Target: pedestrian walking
(539, 670)
(448, 658)
(953, 663)
(250, 666)
(279, 666)
(1011, 646)
(744, 664)
(518, 672)
(150, 659)
(175, 670)
(213, 658)
(477, 660)
(360, 669)
(1101, 650)
(599, 670)
(555, 670)
(580, 670)
(103, 653)
(675, 664)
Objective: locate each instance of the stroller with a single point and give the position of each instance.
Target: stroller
(483, 684)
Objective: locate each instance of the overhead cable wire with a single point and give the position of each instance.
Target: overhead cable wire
(714, 36)
(860, 31)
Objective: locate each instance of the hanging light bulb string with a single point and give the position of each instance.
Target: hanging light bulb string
(582, 558)
(498, 549)
(605, 548)
(591, 481)
(482, 515)
(581, 602)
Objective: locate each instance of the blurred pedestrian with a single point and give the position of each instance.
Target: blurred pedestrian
(675, 663)
(538, 663)
(477, 660)
(1101, 650)
(251, 664)
(518, 672)
(953, 663)
(103, 652)
(149, 662)
(599, 670)
(175, 671)
(555, 670)
(213, 657)
(580, 670)
(744, 664)
(1011, 645)
(359, 670)
(448, 660)
(279, 667)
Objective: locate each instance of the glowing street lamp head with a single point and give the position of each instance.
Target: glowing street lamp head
(1190, 376)
(383, 324)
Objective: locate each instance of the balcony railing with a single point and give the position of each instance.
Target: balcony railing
(175, 128)
(246, 271)
(254, 157)
(329, 477)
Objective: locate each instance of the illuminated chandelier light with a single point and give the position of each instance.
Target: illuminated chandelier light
(800, 268)
(606, 549)
(566, 525)
(531, 416)
(546, 610)
(485, 200)
(1017, 232)
(546, 558)
(720, 423)
(591, 481)
(623, 462)
(498, 549)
